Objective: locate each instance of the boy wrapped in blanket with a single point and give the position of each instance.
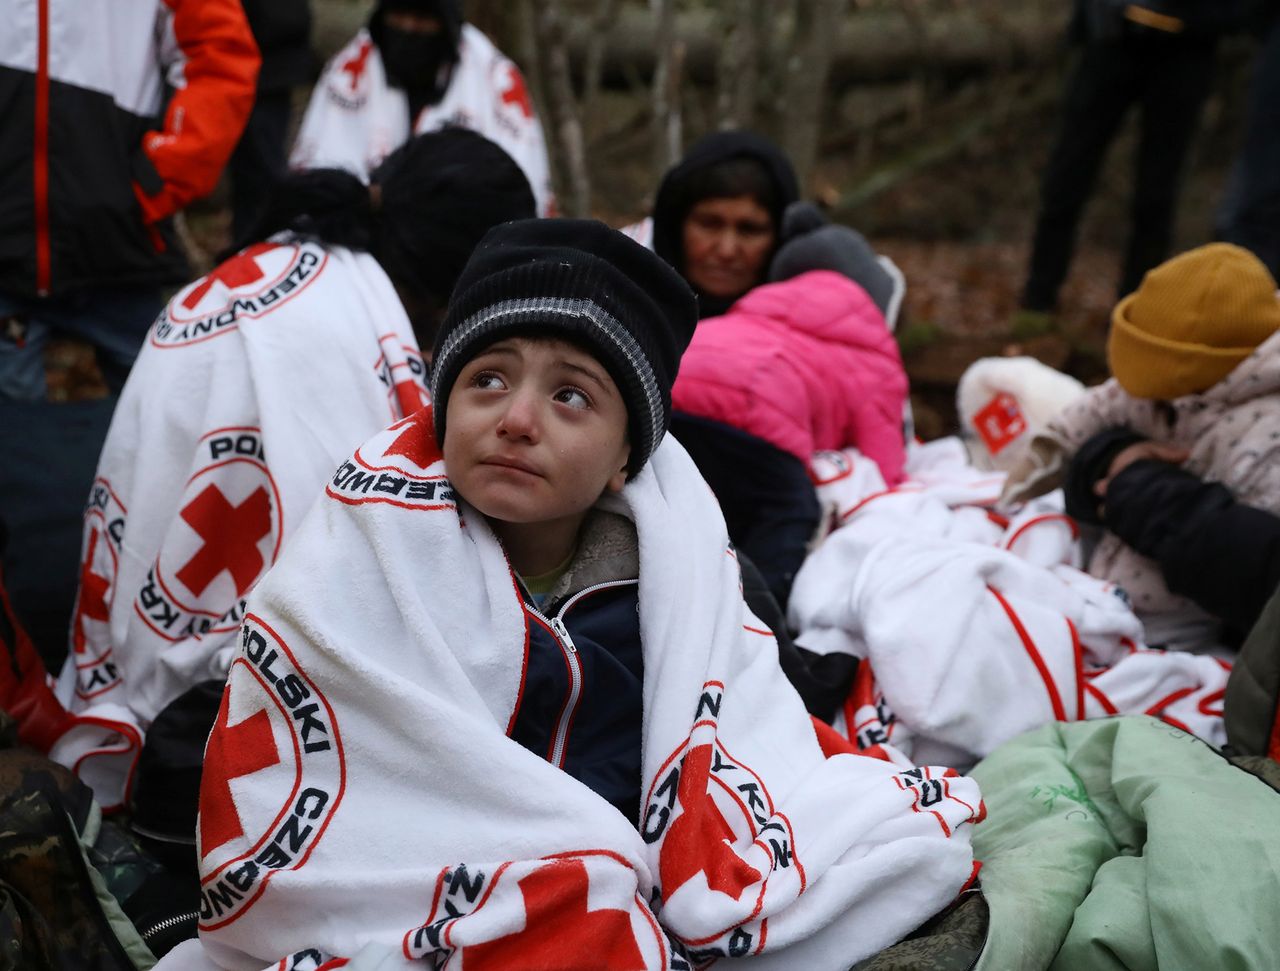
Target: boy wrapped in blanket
(500, 703)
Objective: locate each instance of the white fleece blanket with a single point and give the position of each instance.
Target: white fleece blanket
(255, 381)
(976, 627)
(355, 119)
(361, 794)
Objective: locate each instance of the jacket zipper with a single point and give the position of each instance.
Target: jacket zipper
(167, 924)
(40, 155)
(556, 623)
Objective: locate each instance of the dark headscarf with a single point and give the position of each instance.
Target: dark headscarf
(680, 192)
(414, 62)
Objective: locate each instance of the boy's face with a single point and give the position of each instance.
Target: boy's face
(536, 431)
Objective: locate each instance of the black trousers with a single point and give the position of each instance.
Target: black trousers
(766, 495)
(1168, 78)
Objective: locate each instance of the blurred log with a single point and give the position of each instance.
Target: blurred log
(872, 46)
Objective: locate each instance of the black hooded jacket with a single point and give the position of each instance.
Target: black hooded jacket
(675, 196)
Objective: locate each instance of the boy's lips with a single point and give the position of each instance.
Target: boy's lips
(514, 464)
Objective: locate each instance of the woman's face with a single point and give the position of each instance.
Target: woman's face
(727, 242)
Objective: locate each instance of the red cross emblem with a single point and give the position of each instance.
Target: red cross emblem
(699, 839)
(355, 65)
(999, 422)
(558, 924)
(239, 271)
(417, 442)
(230, 537)
(233, 751)
(518, 92)
(93, 595)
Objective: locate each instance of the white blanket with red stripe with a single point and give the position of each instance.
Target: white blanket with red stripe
(976, 627)
(355, 118)
(361, 793)
(255, 381)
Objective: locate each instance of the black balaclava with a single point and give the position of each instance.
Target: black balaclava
(675, 196)
(421, 64)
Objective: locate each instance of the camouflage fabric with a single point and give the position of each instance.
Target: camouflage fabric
(55, 912)
(951, 941)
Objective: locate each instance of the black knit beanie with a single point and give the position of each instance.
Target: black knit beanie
(579, 280)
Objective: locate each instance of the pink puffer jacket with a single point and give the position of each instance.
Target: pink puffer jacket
(805, 364)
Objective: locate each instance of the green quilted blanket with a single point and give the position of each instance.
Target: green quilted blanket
(1126, 844)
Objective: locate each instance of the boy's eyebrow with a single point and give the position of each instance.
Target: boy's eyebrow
(498, 348)
(588, 372)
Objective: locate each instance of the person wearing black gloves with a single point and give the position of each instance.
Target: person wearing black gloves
(1212, 549)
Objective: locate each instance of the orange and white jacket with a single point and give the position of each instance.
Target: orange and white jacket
(94, 159)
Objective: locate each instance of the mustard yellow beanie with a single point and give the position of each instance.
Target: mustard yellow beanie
(1193, 319)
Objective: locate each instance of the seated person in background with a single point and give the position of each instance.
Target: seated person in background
(1219, 553)
(801, 364)
(418, 67)
(557, 576)
(254, 384)
(1195, 359)
(717, 216)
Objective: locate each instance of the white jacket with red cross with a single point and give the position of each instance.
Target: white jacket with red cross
(356, 119)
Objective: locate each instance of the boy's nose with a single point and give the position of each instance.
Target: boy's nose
(520, 418)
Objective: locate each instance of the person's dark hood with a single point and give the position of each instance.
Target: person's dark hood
(421, 64)
(675, 199)
(449, 12)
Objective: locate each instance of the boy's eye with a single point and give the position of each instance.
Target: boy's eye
(487, 381)
(573, 397)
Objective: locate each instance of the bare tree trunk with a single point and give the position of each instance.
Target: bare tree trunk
(666, 87)
(593, 63)
(816, 34)
(568, 148)
(739, 69)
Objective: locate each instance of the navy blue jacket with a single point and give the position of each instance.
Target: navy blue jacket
(580, 703)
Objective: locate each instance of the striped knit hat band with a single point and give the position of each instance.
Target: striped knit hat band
(585, 283)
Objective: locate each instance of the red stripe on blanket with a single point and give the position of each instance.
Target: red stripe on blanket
(100, 481)
(757, 630)
(1055, 699)
(431, 914)
(484, 899)
(1158, 708)
(1205, 704)
(1038, 520)
(915, 805)
(133, 741)
(906, 487)
(773, 811)
(524, 663)
(390, 502)
(1102, 699)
